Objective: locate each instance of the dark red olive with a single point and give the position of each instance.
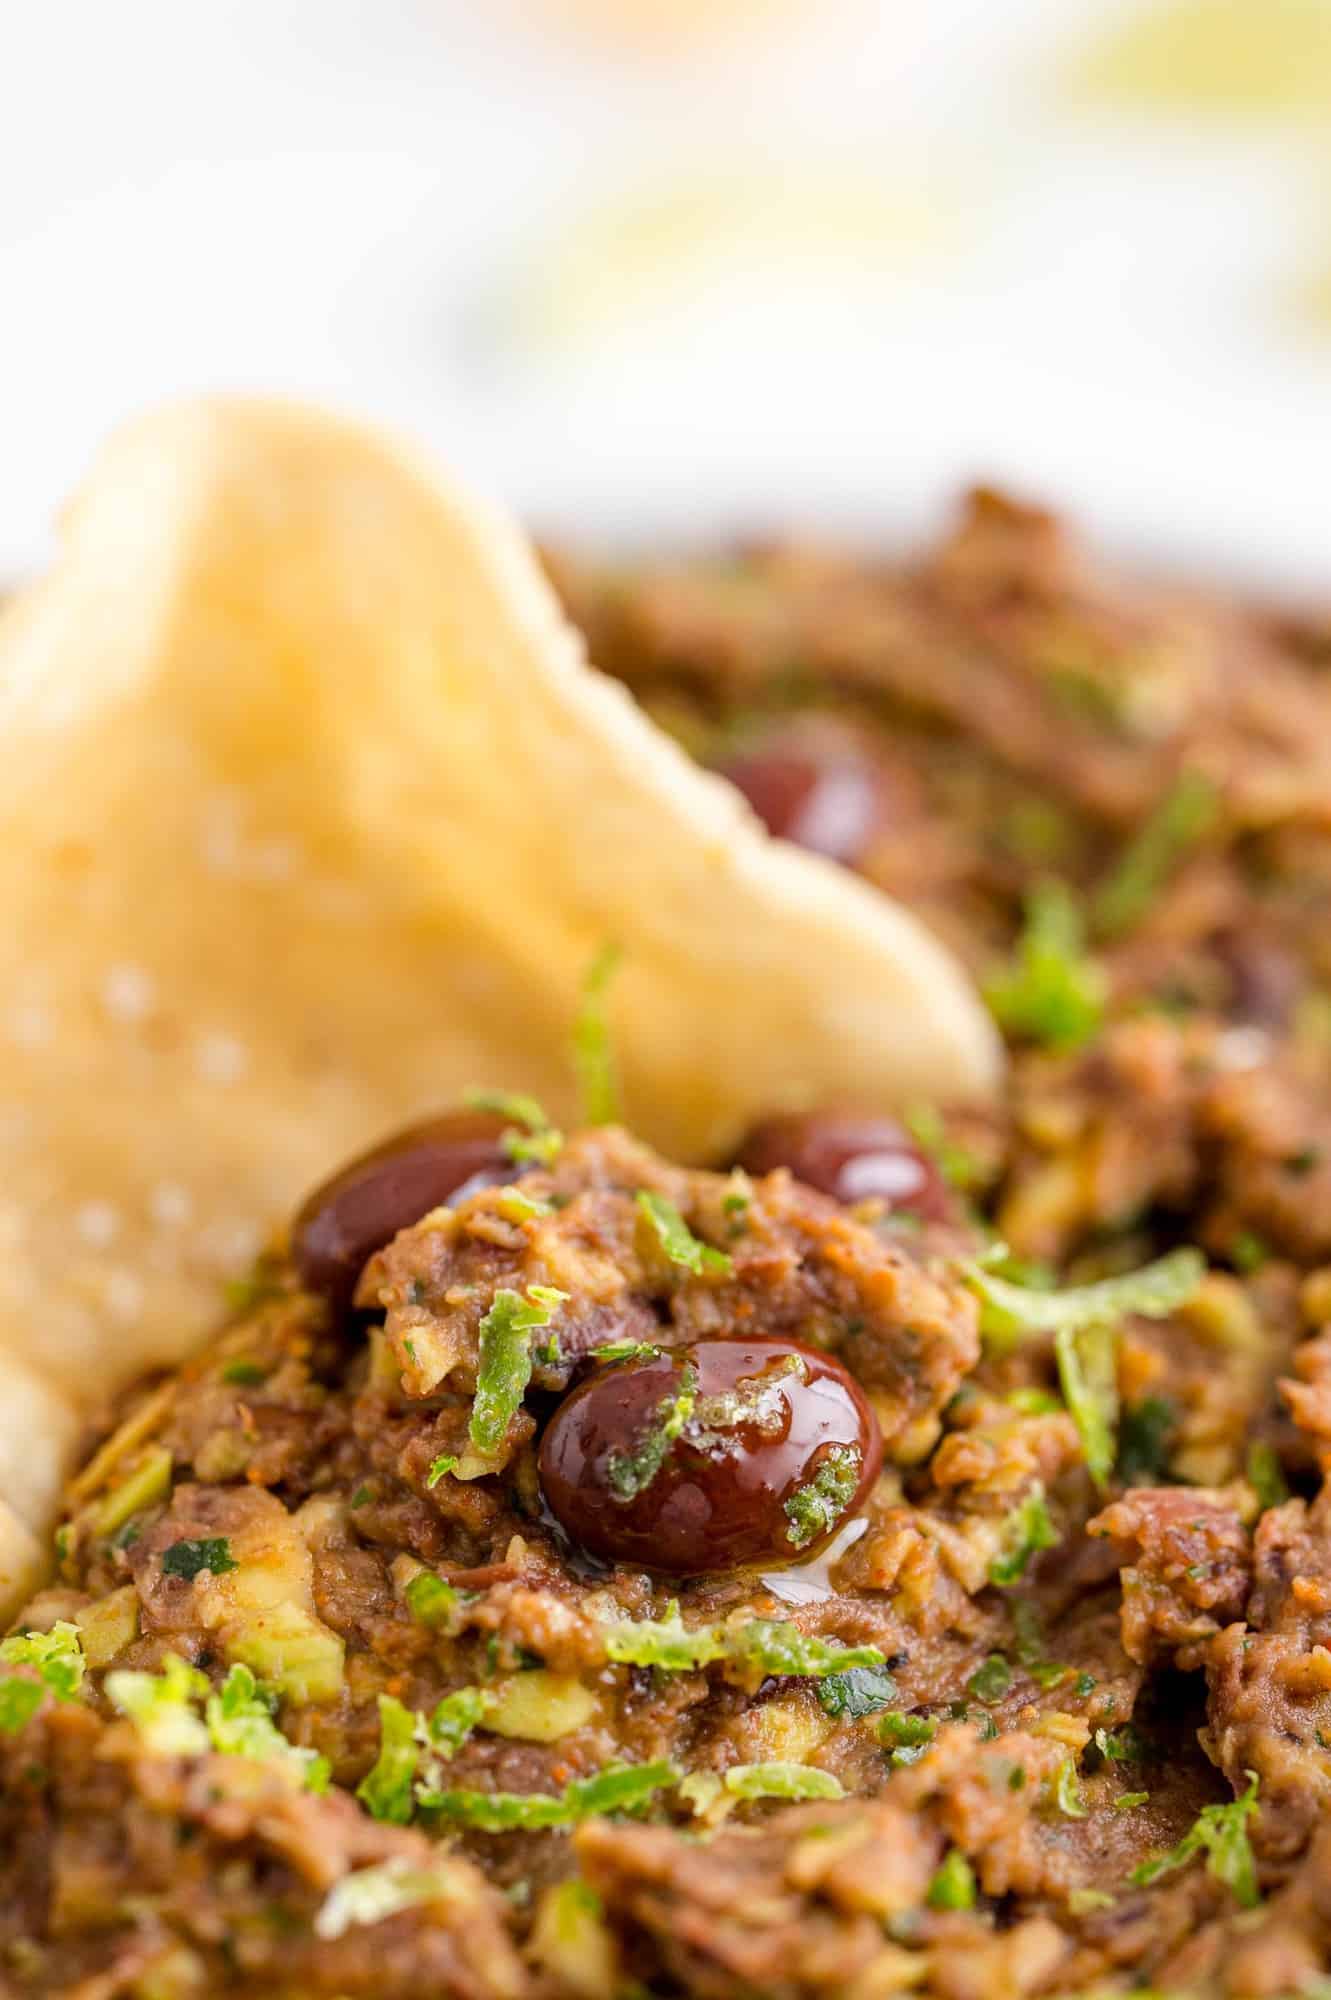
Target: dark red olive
(343, 1222)
(830, 800)
(850, 1155)
(711, 1456)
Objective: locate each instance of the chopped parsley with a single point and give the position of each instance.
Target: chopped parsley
(1051, 992)
(453, 1719)
(1143, 1441)
(1184, 816)
(503, 1369)
(862, 1691)
(1221, 1834)
(387, 1787)
(618, 1788)
(629, 1473)
(1027, 1530)
(244, 1374)
(781, 1781)
(991, 1679)
(1126, 1801)
(371, 1894)
(190, 1559)
(674, 1237)
(814, 1508)
(447, 1461)
(953, 1885)
(1265, 1475)
(763, 1645)
(593, 1051)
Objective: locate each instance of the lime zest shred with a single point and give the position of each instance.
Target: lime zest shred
(161, 1706)
(531, 1140)
(1221, 1833)
(1184, 816)
(815, 1507)
(1152, 1292)
(629, 1473)
(239, 1720)
(1265, 1475)
(1088, 1375)
(369, 1895)
(504, 1365)
(1067, 1791)
(386, 1790)
(446, 1462)
(593, 1051)
(56, 1655)
(618, 1788)
(953, 1884)
(1051, 993)
(782, 1781)
(676, 1239)
(762, 1645)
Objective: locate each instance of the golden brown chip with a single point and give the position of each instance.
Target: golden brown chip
(312, 815)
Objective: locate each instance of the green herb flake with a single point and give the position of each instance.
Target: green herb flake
(674, 1237)
(1051, 992)
(781, 1781)
(760, 1645)
(1067, 1791)
(1027, 1530)
(360, 1497)
(504, 1366)
(1085, 1902)
(244, 1374)
(1248, 1252)
(629, 1473)
(1266, 1476)
(906, 1736)
(1221, 1833)
(592, 1049)
(57, 1657)
(953, 1885)
(446, 1462)
(430, 1600)
(386, 1789)
(862, 1691)
(619, 1788)
(958, 1166)
(1186, 814)
(189, 1559)
(1126, 1801)
(1143, 1441)
(515, 1206)
(991, 1680)
(372, 1894)
(815, 1507)
(531, 1140)
(240, 1723)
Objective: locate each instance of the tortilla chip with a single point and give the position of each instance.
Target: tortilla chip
(312, 816)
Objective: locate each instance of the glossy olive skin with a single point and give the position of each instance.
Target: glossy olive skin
(363, 1206)
(830, 801)
(851, 1155)
(718, 1499)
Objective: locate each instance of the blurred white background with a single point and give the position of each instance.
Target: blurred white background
(666, 265)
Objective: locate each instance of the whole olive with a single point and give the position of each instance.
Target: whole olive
(828, 800)
(850, 1155)
(363, 1206)
(709, 1457)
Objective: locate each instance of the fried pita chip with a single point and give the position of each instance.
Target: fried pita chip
(313, 815)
